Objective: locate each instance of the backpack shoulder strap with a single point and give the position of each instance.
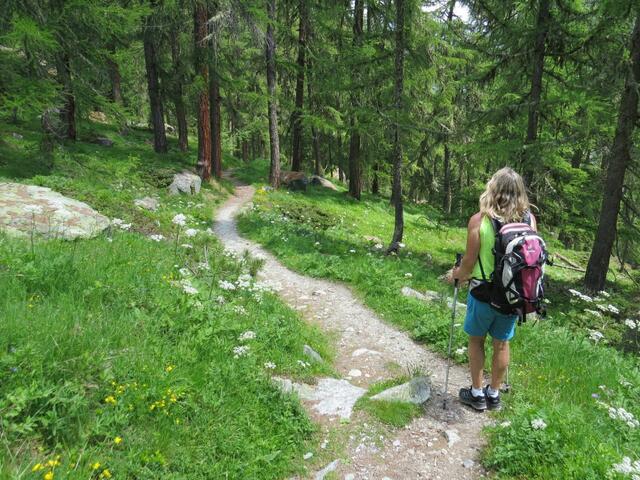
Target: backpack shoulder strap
(527, 217)
(497, 225)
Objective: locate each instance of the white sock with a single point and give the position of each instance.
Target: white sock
(477, 392)
(492, 393)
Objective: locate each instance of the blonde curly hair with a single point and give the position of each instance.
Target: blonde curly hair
(505, 197)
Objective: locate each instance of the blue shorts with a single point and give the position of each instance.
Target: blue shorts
(482, 319)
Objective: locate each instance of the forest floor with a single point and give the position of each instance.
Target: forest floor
(369, 351)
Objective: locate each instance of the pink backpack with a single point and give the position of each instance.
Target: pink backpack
(516, 285)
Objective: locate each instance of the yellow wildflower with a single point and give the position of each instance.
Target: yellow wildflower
(37, 467)
(110, 399)
(48, 476)
(95, 466)
(117, 440)
(169, 368)
(105, 473)
(53, 463)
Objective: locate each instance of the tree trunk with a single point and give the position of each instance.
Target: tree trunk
(446, 187)
(296, 118)
(355, 173)
(216, 123)
(178, 96)
(396, 193)
(68, 111)
(274, 140)
(542, 30)
(114, 76)
(620, 159)
(202, 70)
(576, 159)
(153, 87)
(375, 184)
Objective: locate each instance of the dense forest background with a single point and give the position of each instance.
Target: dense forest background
(420, 100)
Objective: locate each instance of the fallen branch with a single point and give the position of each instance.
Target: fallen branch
(567, 261)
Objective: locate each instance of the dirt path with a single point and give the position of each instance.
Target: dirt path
(369, 350)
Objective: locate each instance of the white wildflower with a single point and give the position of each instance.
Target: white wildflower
(613, 309)
(352, 251)
(631, 323)
(602, 308)
(33, 209)
(378, 246)
(189, 289)
(188, 246)
(595, 313)
(220, 299)
(408, 275)
(303, 364)
(604, 294)
(461, 350)
(156, 238)
(225, 285)
(209, 231)
(116, 222)
(198, 305)
(240, 310)
(248, 335)
(317, 243)
(185, 272)
(240, 351)
(538, 424)
(505, 424)
(203, 266)
(595, 335)
(180, 220)
(270, 366)
(401, 245)
(191, 232)
(624, 416)
(627, 467)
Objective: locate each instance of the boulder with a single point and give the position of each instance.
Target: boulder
(372, 239)
(327, 470)
(147, 203)
(417, 391)
(27, 208)
(17, 136)
(294, 180)
(185, 182)
(318, 181)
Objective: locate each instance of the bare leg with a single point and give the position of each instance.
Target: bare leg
(476, 360)
(499, 363)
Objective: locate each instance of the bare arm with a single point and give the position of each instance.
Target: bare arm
(463, 272)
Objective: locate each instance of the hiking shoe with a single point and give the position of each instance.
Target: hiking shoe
(477, 403)
(493, 403)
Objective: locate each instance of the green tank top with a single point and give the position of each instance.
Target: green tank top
(487, 241)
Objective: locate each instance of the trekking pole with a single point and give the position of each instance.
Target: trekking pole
(453, 319)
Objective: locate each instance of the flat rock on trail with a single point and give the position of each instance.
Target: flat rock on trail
(365, 343)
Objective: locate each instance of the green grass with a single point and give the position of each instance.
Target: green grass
(395, 414)
(99, 341)
(556, 367)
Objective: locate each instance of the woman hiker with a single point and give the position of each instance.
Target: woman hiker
(505, 199)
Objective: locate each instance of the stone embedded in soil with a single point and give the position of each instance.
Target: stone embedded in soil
(147, 203)
(364, 351)
(55, 215)
(452, 437)
(350, 476)
(429, 296)
(332, 397)
(307, 455)
(312, 354)
(417, 391)
(468, 463)
(355, 373)
(327, 470)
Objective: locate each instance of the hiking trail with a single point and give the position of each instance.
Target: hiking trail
(368, 350)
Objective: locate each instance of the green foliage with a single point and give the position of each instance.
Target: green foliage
(395, 414)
